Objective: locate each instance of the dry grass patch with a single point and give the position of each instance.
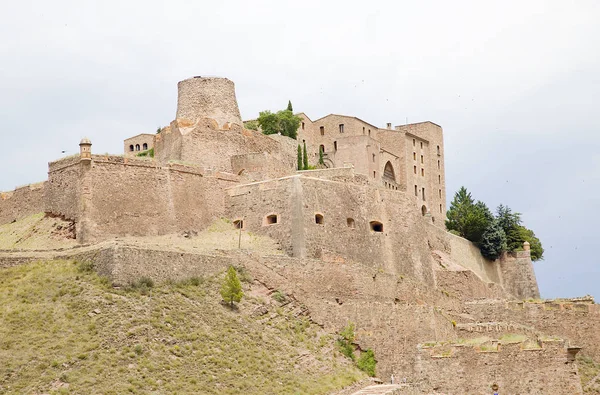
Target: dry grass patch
(64, 329)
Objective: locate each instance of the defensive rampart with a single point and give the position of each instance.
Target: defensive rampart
(549, 367)
(21, 202)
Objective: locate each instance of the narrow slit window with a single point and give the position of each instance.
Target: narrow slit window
(302, 125)
(416, 191)
(422, 161)
(423, 172)
(415, 169)
(322, 129)
(423, 192)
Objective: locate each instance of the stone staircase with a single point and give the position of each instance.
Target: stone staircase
(381, 389)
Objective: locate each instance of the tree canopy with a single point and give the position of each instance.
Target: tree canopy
(466, 217)
(504, 232)
(284, 122)
(231, 288)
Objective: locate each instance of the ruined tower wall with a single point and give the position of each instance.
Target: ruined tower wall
(21, 202)
(208, 97)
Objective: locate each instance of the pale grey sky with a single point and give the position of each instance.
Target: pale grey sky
(514, 84)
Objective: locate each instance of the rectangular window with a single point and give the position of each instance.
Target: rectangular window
(416, 192)
(373, 157)
(335, 145)
(322, 129)
(302, 125)
(439, 179)
(363, 130)
(415, 169)
(438, 164)
(374, 174)
(414, 156)
(440, 208)
(440, 191)
(341, 128)
(414, 142)
(422, 172)
(422, 159)
(423, 190)
(421, 145)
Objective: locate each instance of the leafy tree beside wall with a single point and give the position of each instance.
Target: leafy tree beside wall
(251, 125)
(284, 122)
(231, 287)
(467, 217)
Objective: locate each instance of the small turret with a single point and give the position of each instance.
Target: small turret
(85, 149)
(526, 246)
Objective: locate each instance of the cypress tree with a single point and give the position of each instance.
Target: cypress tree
(305, 158)
(300, 167)
(289, 107)
(321, 161)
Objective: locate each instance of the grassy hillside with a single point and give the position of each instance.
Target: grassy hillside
(64, 330)
(37, 231)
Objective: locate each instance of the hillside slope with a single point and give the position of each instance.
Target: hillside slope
(65, 330)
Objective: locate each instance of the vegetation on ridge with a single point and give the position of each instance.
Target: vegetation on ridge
(66, 330)
(494, 234)
(284, 122)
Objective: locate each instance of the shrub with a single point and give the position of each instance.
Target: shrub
(345, 340)
(86, 267)
(279, 296)
(367, 363)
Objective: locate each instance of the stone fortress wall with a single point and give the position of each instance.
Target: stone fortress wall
(358, 246)
(21, 202)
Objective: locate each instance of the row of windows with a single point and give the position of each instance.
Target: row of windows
(340, 127)
(415, 144)
(137, 147)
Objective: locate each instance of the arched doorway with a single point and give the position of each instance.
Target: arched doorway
(388, 172)
(424, 210)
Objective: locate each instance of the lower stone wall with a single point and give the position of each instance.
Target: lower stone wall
(550, 369)
(21, 202)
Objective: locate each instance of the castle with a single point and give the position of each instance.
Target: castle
(364, 237)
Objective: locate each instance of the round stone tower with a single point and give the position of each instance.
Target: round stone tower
(210, 97)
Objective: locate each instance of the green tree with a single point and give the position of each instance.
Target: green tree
(493, 241)
(158, 130)
(284, 122)
(305, 158)
(289, 107)
(535, 245)
(510, 223)
(466, 217)
(231, 288)
(268, 122)
(367, 363)
(300, 167)
(289, 123)
(321, 161)
(251, 125)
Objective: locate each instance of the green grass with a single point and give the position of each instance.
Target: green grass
(589, 373)
(64, 329)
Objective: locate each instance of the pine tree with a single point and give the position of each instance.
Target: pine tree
(300, 167)
(231, 288)
(305, 158)
(467, 218)
(321, 161)
(493, 241)
(289, 107)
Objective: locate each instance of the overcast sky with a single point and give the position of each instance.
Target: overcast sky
(514, 84)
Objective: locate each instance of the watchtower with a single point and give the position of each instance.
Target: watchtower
(209, 97)
(85, 149)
